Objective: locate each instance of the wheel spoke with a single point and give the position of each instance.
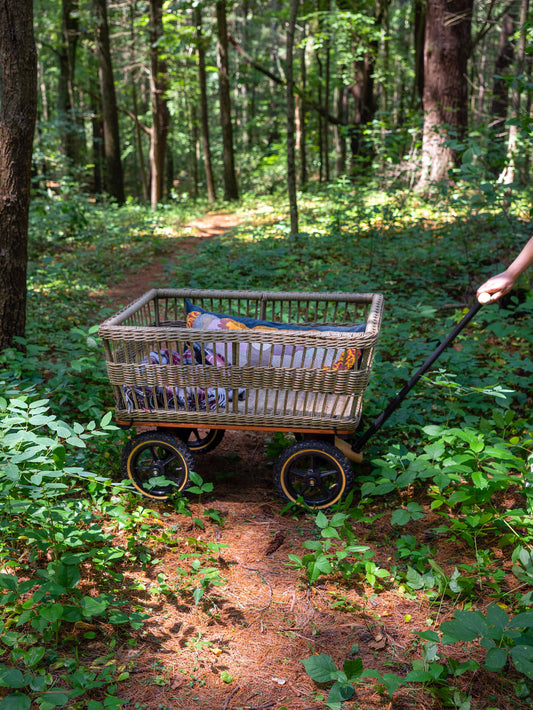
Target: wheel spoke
(172, 457)
(195, 436)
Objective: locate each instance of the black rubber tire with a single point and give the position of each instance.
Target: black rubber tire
(153, 455)
(200, 441)
(313, 471)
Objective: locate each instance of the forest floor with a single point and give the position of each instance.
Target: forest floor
(242, 646)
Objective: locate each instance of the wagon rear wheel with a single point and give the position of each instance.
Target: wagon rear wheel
(315, 472)
(200, 441)
(157, 464)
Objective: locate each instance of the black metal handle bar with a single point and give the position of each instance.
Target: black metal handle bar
(394, 403)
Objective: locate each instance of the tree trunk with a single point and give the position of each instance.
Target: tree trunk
(160, 112)
(138, 130)
(18, 111)
(302, 121)
(204, 114)
(71, 143)
(508, 174)
(446, 51)
(231, 191)
(419, 44)
(291, 152)
(339, 139)
(113, 175)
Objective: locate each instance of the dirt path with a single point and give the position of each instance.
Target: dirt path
(155, 274)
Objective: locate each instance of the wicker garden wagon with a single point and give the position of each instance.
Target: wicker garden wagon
(188, 364)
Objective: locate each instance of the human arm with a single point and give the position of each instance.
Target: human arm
(502, 283)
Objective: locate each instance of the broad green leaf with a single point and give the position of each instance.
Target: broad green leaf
(106, 419)
(16, 701)
(525, 619)
(495, 659)
(400, 517)
(523, 659)
(353, 669)
(8, 581)
(320, 668)
(11, 678)
(51, 613)
(339, 693)
(321, 520)
(93, 606)
(418, 676)
(465, 626)
(497, 617)
(34, 655)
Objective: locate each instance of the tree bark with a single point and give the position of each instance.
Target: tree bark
(18, 111)
(160, 112)
(291, 123)
(231, 191)
(446, 52)
(204, 114)
(113, 175)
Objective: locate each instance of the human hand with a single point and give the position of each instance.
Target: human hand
(497, 285)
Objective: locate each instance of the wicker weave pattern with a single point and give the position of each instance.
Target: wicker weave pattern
(288, 397)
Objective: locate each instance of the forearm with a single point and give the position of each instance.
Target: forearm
(522, 262)
(502, 283)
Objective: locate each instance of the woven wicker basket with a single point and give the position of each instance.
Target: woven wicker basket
(292, 391)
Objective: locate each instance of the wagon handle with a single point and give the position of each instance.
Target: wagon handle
(394, 403)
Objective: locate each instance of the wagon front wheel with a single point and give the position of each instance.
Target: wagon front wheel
(157, 464)
(315, 472)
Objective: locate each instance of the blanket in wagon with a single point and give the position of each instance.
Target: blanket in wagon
(185, 398)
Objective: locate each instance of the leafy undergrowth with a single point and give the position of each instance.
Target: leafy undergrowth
(414, 592)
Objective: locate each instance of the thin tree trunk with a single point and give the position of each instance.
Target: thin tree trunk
(71, 144)
(97, 138)
(18, 111)
(419, 44)
(160, 112)
(327, 49)
(138, 129)
(340, 140)
(113, 175)
(508, 174)
(204, 114)
(231, 191)
(303, 118)
(291, 152)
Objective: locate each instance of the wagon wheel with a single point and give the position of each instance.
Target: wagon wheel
(157, 464)
(200, 441)
(313, 471)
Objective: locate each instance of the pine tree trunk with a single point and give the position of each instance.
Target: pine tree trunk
(204, 114)
(18, 110)
(446, 51)
(113, 175)
(231, 191)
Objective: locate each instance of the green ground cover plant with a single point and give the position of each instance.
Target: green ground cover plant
(445, 462)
